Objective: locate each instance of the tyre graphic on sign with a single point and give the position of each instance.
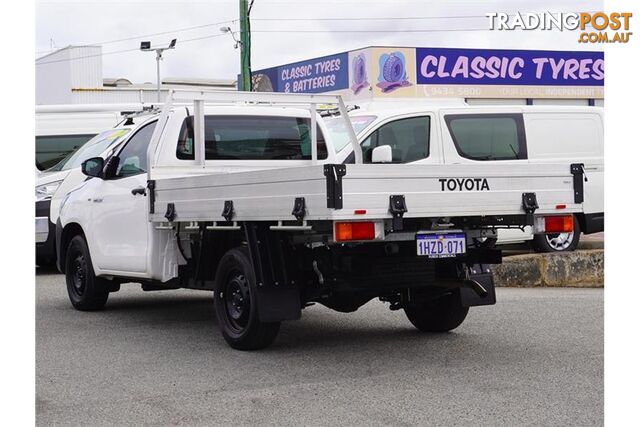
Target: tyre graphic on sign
(393, 73)
(359, 74)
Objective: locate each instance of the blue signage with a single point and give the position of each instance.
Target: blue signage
(317, 75)
(508, 67)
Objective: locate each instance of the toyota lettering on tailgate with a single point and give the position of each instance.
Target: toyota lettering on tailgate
(466, 184)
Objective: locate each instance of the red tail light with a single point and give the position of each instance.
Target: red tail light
(558, 224)
(349, 231)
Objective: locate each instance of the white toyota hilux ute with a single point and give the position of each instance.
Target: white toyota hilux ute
(242, 194)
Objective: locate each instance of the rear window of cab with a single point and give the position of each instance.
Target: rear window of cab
(488, 136)
(251, 138)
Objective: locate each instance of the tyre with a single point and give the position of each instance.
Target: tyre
(558, 242)
(86, 291)
(235, 303)
(441, 315)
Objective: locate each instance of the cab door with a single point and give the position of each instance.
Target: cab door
(120, 231)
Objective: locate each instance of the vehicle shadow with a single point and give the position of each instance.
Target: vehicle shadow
(320, 330)
(47, 269)
(161, 306)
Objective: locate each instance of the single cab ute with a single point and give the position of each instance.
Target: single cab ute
(243, 194)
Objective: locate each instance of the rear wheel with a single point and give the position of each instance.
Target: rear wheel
(86, 291)
(558, 242)
(440, 315)
(235, 303)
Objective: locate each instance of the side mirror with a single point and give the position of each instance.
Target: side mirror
(382, 154)
(93, 167)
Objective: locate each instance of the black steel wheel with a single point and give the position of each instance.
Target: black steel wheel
(86, 291)
(439, 315)
(236, 304)
(237, 300)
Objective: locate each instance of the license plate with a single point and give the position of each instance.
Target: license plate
(441, 245)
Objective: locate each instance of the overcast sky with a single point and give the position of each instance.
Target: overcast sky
(274, 24)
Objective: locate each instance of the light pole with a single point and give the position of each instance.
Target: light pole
(146, 47)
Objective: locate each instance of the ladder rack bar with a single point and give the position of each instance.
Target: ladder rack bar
(357, 149)
(198, 132)
(252, 97)
(314, 134)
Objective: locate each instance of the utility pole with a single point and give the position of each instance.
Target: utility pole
(245, 47)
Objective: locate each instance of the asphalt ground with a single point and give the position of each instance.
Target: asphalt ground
(157, 358)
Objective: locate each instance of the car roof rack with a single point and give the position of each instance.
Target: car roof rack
(199, 98)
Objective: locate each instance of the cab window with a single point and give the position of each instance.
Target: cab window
(488, 136)
(251, 138)
(133, 157)
(408, 139)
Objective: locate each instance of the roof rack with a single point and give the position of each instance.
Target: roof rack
(199, 98)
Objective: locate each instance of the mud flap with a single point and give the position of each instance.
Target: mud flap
(483, 291)
(278, 297)
(276, 305)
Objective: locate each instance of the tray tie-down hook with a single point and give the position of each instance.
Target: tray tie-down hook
(299, 208)
(227, 211)
(529, 204)
(170, 214)
(397, 208)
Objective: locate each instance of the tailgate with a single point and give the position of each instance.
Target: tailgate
(460, 190)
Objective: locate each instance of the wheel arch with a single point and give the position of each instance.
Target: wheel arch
(69, 231)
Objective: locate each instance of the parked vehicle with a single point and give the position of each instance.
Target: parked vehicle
(489, 134)
(61, 129)
(243, 194)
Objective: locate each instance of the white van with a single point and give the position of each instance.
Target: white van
(58, 134)
(472, 134)
(60, 129)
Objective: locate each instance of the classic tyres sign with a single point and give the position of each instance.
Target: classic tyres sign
(318, 75)
(387, 72)
(509, 67)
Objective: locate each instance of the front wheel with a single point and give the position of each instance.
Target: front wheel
(440, 315)
(86, 291)
(235, 302)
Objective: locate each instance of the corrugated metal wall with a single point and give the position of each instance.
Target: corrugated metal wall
(86, 67)
(71, 67)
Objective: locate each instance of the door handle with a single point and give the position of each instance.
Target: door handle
(139, 190)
